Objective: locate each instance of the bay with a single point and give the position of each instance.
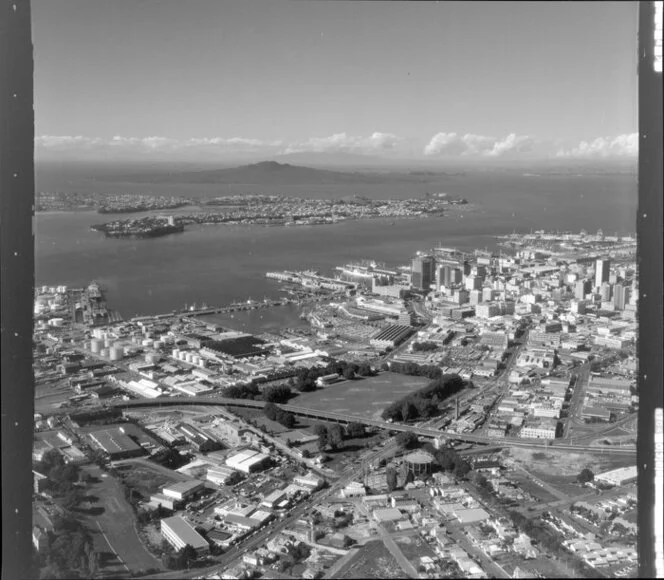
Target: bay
(219, 264)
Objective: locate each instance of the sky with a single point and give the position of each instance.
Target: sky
(213, 80)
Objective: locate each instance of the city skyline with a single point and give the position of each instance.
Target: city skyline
(422, 81)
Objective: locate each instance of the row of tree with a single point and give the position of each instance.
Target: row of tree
(426, 346)
(413, 369)
(424, 403)
(334, 435)
(275, 413)
(305, 380)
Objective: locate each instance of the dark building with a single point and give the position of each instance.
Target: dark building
(423, 272)
(582, 288)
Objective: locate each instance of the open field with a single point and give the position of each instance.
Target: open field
(366, 397)
(145, 478)
(111, 521)
(558, 467)
(530, 487)
(372, 561)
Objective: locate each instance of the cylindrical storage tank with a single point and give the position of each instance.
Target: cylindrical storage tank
(96, 345)
(175, 353)
(108, 343)
(183, 355)
(104, 352)
(116, 353)
(201, 363)
(419, 462)
(189, 357)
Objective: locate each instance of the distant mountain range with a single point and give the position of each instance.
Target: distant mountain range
(274, 173)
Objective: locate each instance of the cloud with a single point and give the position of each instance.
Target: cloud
(119, 146)
(65, 141)
(453, 144)
(341, 142)
(626, 145)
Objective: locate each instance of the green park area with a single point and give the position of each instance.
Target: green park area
(362, 396)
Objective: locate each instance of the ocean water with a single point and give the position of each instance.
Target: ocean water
(219, 264)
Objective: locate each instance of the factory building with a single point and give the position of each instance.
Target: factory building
(248, 461)
(183, 490)
(116, 443)
(391, 336)
(178, 532)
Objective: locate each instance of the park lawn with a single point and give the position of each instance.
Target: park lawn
(364, 397)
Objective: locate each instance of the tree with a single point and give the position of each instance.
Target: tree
(391, 478)
(335, 436)
(50, 460)
(321, 431)
(287, 419)
(271, 410)
(349, 373)
(365, 370)
(277, 394)
(355, 430)
(188, 554)
(71, 499)
(585, 476)
(461, 469)
(406, 439)
(306, 453)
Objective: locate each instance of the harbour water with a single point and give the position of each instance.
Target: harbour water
(223, 264)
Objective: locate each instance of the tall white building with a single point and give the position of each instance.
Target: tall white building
(602, 272)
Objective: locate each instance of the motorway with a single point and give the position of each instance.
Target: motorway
(559, 444)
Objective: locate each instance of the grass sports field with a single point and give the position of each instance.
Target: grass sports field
(366, 397)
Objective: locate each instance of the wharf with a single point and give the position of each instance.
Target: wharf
(234, 307)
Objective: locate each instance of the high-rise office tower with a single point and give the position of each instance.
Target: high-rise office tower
(602, 272)
(619, 296)
(605, 291)
(582, 288)
(422, 272)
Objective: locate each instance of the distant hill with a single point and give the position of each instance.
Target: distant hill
(272, 173)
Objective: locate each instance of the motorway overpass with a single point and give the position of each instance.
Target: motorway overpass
(560, 444)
